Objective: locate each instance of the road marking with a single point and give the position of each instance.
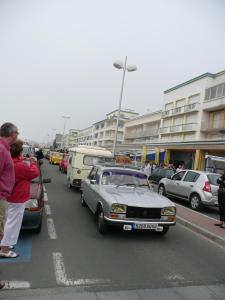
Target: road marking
(14, 284)
(48, 211)
(45, 197)
(51, 229)
(61, 276)
(44, 189)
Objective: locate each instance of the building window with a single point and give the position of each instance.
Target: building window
(215, 91)
(194, 99)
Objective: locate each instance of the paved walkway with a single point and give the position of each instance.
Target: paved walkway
(201, 224)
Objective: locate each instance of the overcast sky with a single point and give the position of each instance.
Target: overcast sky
(56, 56)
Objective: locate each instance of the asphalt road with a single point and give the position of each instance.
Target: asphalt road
(70, 251)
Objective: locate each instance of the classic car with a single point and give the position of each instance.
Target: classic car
(64, 163)
(121, 196)
(32, 219)
(55, 158)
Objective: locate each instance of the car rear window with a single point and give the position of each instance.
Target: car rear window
(213, 179)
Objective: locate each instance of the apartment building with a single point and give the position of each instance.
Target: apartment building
(85, 137)
(193, 120)
(142, 129)
(104, 131)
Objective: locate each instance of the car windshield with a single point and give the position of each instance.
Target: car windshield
(95, 160)
(213, 178)
(124, 177)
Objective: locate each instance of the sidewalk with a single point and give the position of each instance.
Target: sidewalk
(200, 223)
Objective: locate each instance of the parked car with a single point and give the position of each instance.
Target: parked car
(32, 219)
(160, 173)
(196, 187)
(55, 158)
(120, 196)
(81, 161)
(64, 163)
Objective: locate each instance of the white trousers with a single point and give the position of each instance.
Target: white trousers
(14, 218)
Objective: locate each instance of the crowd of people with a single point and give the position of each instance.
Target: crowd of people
(149, 167)
(16, 174)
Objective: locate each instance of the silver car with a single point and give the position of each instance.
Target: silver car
(121, 196)
(197, 187)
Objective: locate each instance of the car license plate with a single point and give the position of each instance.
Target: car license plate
(127, 227)
(143, 226)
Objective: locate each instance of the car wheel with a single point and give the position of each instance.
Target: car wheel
(165, 230)
(162, 190)
(102, 225)
(38, 229)
(69, 184)
(195, 202)
(83, 203)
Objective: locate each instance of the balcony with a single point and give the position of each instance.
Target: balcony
(178, 128)
(216, 127)
(181, 110)
(214, 104)
(141, 134)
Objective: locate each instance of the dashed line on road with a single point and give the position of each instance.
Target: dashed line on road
(15, 284)
(48, 211)
(63, 280)
(51, 229)
(45, 197)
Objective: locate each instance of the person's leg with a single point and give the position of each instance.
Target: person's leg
(220, 204)
(222, 208)
(12, 226)
(3, 208)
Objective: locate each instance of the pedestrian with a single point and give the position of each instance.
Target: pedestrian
(180, 168)
(147, 169)
(8, 136)
(221, 200)
(24, 173)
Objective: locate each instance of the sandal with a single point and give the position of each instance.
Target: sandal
(218, 224)
(222, 226)
(2, 284)
(9, 254)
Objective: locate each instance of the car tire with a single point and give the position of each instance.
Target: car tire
(102, 224)
(162, 190)
(69, 184)
(195, 202)
(82, 201)
(38, 229)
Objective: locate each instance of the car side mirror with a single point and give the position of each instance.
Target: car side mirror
(47, 180)
(169, 177)
(92, 181)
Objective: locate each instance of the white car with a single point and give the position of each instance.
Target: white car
(197, 187)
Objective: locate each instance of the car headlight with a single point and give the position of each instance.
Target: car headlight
(32, 203)
(168, 211)
(118, 208)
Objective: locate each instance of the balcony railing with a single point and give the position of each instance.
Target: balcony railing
(214, 127)
(181, 110)
(178, 128)
(141, 134)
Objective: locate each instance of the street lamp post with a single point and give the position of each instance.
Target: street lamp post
(129, 68)
(66, 118)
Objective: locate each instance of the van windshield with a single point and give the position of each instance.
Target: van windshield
(95, 160)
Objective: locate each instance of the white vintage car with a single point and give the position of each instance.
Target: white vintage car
(121, 196)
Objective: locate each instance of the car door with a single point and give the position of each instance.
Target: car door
(173, 184)
(188, 182)
(87, 187)
(94, 197)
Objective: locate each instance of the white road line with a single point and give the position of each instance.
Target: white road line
(61, 276)
(44, 189)
(45, 197)
(48, 211)
(51, 229)
(14, 284)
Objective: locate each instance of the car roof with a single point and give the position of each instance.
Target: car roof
(119, 166)
(199, 172)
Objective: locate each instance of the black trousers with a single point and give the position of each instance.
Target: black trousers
(221, 202)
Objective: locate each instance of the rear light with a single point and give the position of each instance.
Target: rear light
(207, 187)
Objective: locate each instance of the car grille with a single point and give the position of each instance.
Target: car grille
(143, 213)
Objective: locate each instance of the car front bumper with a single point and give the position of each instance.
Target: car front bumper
(31, 220)
(122, 222)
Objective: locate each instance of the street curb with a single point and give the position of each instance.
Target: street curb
(215, 238)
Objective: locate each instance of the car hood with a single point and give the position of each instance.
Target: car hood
(130, 196)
